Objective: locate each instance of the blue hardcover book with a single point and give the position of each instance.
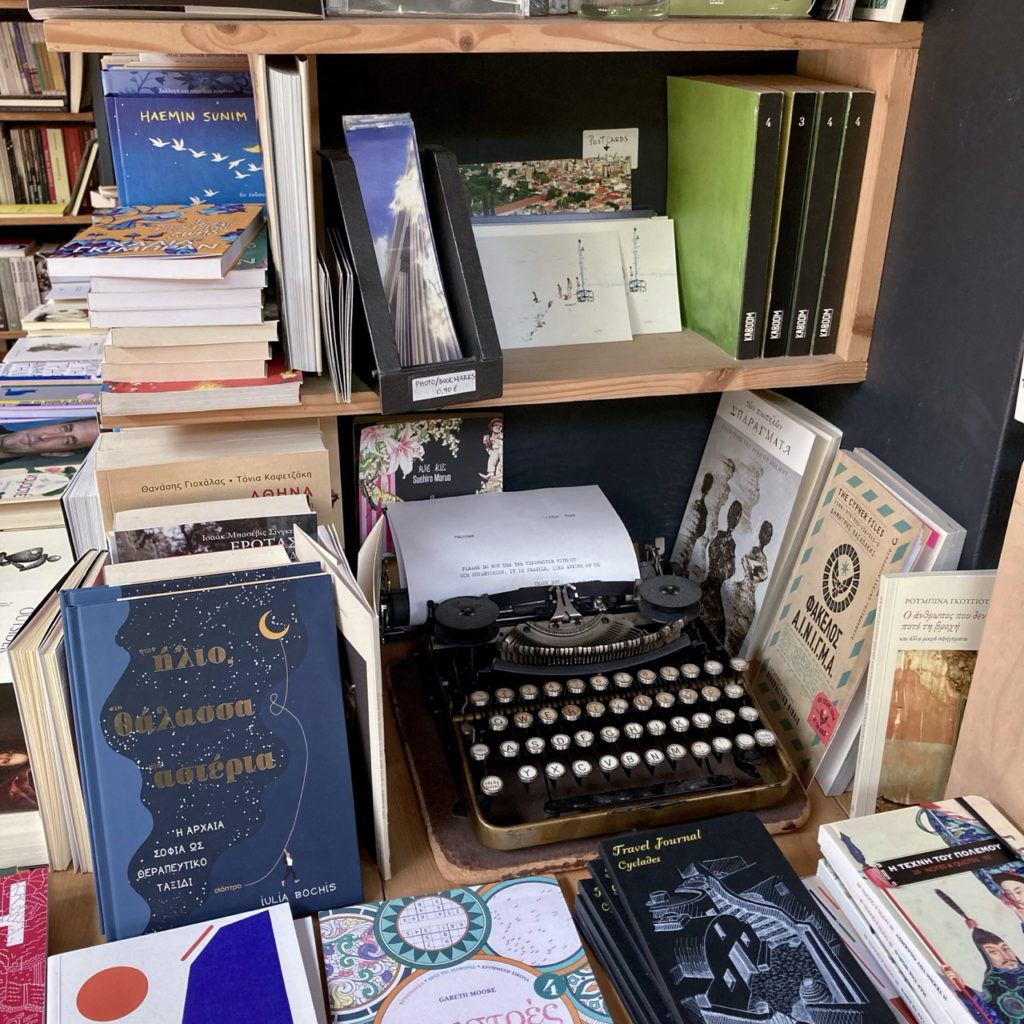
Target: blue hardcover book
(185, 149)
(137, 81)
(211, 736)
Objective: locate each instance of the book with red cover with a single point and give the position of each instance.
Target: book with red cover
(23, 946)
(279, 387)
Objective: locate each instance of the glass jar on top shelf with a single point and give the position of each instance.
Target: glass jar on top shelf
(624, 10)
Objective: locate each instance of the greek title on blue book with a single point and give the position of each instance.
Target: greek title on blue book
(225, 722)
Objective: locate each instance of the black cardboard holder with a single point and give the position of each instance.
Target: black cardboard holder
(478, 375)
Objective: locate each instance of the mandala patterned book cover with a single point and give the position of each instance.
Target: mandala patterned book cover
(729, 930)
(211, 732)
(506, 951)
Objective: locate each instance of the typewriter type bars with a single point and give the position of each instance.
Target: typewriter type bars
(551, 751)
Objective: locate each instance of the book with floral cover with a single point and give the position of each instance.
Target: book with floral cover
(201, 241)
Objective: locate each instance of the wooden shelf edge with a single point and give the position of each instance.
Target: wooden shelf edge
(318, 398)
(541, 35)
(16, 220)
(11, 335)
(84, 117)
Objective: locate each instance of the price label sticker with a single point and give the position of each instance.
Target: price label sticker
(823, 717)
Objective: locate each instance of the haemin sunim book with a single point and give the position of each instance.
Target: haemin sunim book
(211, 734)
(730, 930)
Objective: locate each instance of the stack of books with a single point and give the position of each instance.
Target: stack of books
(32, 77)
(764, 180)
(46, 169)
(708, 922)
(936, 892)
(180, 289)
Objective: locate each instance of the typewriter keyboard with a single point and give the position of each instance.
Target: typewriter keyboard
(557, 757)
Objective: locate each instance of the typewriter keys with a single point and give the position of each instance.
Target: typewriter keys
(535, 746)
(609, 734)
(679, 723)
(522, 719)
(581, 769)
(599, 683)
(552, 689)
(700, 750)
(654, 757)
(576, 687)
(528, 692)
(713, 669)
(656, 727)
(668, 675)
(618, 706)
(739, 665)
(688, 696)
(595, 709)
(571, 713)
(479, 698)
(497, 723)
(554, 770)
(765, 738)
(748, 714)
(642, 703)
(734, 692)
(690, 671)
(584, 738)
(664, 700)
(622, 680)
(630, 759)
(491, 785)
(646, 677)
(508, 749)
(675, 752)
(711, 694)
(725, 718)
(504, 695)
(547, 716)
(633, 730)
(480, 751)
(721, 745)
(701, 720)
(560, 741)
(608, 763)
(527, 774)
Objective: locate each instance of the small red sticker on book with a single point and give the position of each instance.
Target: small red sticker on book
(823, 716)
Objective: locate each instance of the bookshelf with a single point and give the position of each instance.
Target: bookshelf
(43, 116)
(874, 55)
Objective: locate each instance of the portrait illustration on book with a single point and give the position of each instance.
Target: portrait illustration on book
(17, 792)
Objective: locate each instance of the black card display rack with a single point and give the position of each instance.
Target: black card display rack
(476, 376)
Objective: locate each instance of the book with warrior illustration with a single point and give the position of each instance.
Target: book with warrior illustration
(727, 930)
(502, 951)
(211, 732)
(943, 886)
(187, 242)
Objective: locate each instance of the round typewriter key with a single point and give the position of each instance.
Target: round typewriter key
(701, 720)
(664, 699)
(497, 723)
(721, 745)
(552, 689)
(491, 785)
(622, 680)
(675, 752)
(688, 696)
(690, 671)
(522, 719)
(547, 716)
(725, 717)
(479, 698)
(748, 714)
(745, 745)
(581, 769)
(633, 730)
(504, 695)
(608, 763)
(534, 745)
(679, 723)
(554, 770)
(595, 709)
(656, 727)
(599, 683)
(560, 741)
(528, 692)
(646, 677)
(509, 748)
(641, 702)
(711, 694)
(583, 738)
(527, 773)
(734, 692)
(654, 757)
(571, 712)
(618, 706)
(765, 738)
(630, 759)
(479, 752)
(669, 674)
(609, 734)
(576, 686)
(713, 669)
(739, 665)
(700, 750)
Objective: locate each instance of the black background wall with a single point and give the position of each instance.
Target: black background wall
(945, 355)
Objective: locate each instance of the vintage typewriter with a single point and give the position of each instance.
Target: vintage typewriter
(591, 708)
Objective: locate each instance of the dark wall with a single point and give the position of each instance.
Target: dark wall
(946, 349)
(945, 355)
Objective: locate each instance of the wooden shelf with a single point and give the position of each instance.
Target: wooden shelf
(414, 35)
(653, 364)
(13, 5)
(50, 117)
(11, 335)
(15, 220)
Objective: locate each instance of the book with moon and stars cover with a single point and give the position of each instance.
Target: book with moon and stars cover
(504, 951)
(211, 733)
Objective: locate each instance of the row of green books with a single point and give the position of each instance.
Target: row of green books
(764, 178)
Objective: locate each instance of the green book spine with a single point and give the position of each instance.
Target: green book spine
(821, 193)
(844, 219)
(723, 145)
(793, 191)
